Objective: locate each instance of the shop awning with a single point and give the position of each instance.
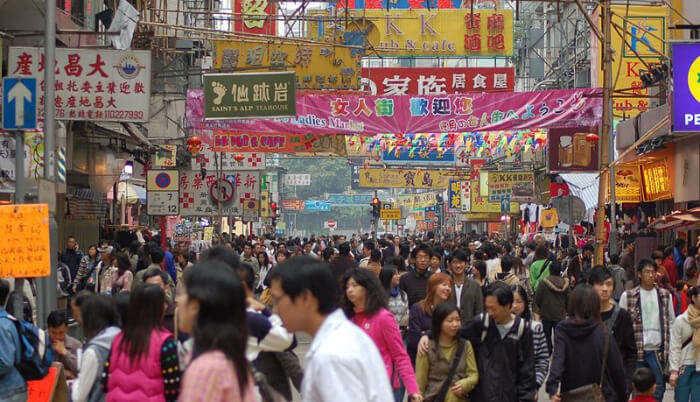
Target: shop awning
(677, 219)
(583, 186)
(131, 192)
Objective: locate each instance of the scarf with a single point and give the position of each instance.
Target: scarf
(694, 321)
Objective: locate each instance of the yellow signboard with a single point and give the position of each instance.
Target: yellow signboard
(166, 156)
(481, 203)
(412, 201)
(407, 178)
(390, 214)
(316, 66)
(453, 32)
(628, 184)
(656, 179)
(645, 31)
(24, 251)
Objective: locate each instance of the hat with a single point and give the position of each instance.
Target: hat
(106, 249)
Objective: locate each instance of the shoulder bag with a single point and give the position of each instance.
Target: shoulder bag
(591, 392)
(461, 344)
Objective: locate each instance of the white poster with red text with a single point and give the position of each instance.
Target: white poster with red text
(437, 81)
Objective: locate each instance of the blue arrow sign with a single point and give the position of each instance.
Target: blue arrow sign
(19, 105)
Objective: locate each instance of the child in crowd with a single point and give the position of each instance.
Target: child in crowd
(644, 385)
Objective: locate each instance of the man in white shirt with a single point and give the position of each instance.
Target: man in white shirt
(342, 363)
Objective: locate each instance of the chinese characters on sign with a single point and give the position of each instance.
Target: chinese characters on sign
(293, 204)
(299, 179)
(454, 196)
(224, 141)
(245, 95)
(517, 186)
(196, 198)
(628, 184)
(228, 160)
(24, 251)
(406, 178)
(257, 16)
(162, 192)
(438, 81)
(316, 67)
(656, 181)
(350, 200)
(91, 84)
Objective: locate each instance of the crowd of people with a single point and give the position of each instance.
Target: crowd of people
(467, 317)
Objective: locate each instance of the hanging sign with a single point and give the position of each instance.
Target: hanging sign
(356, 200)
(256, 16)
(656, 181)
(406, 178)
(315, 144)
(465, 196)
(24, 251)
(516, 186)
(454, 195)
(315, 67)
(628, 184)
(91, 84)
(246, 95)
(481, 203)
(228, 160)
(293, 204)
(570, 150)
(686, 87)
(366, 114)
(438, 80)
(412, 201)
(196, 198)
(162, 192)
(317, 206)
(391, 214)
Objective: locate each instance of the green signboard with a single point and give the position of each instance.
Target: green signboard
(249, 95)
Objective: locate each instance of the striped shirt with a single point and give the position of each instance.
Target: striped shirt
(541, 352)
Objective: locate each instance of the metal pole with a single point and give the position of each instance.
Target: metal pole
(611, 177)
(20, 191)
(605, 131)
(46, 286)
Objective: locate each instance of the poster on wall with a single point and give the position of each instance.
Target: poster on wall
(573, 149)
(199, 195)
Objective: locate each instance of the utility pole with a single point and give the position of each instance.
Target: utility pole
(605, 131)
(46, 286)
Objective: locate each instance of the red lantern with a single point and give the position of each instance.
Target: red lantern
(238, 158)
(194, 145)
(591, 137)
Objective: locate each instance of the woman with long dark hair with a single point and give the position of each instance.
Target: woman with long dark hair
(265, 266)
(143, 363)
(432, 368)
(124, 277)
(521, 307)
(100, 326)
(364, 302)
(213, 311)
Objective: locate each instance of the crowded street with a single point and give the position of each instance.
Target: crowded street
(350, 201)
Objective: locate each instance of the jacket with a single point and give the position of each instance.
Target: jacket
(631, 301)
(11, 381)
(623, 332)
(279, 368)
(538, 270)
(87, 387)
(434, 368)
(551, 298)
(418, 325)
(137, 381)
(681, 356)
(384, 331)
(573, 369)
(506, 365)
(471, 301)
(72, 258)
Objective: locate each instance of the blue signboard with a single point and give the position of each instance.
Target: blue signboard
(317, 206)
(419, 156)
(350, 200)
(19, 106)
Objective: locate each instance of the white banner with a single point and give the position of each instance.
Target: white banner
(196, 192)
(297, 179)
(91, 84)
(227, 160)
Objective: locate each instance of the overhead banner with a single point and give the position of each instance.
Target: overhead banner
(435, 33)
(294, 204)
(208, 159)
(438, 80)
(364, 114)
(91, 84)
(316, 67)
(645, 31)
(423, 156)
(413, 201)
(406, 178)
(571, 150)
(199, 195)
(224, 141)
(317, 206)
(354, 200)
(515, 186)
(686, 87)
(246, 95)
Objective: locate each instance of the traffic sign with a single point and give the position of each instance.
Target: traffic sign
(390, 214)
(226, 191)
(162, 203)
(162, 180)
(330, 224)
(19, 105)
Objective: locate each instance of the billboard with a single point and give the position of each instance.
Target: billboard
(246, 95)
(438, 81)
(686, 86)
(571, 151)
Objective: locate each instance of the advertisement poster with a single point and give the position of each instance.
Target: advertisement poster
(245, 95)
(514, 186)
(571, 151)
(482, 204)
(293, 204)
(628, 184)
(437, 80)
(405, 178)
(312, 144)
(91, 84)
(686, 87)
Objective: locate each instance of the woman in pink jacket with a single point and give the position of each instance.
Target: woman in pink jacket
(364, 302)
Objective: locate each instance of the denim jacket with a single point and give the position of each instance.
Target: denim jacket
(11, 381)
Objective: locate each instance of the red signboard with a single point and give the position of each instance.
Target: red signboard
(437, 81)
(255, 16)
(294, 204)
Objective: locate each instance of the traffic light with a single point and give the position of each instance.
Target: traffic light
(375, 207)
(273, 208)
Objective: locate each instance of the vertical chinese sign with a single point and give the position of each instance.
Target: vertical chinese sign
(249, 95)
(91, 84)
(438, 81)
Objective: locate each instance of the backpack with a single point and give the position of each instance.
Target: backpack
(35, 353)
(485, 319)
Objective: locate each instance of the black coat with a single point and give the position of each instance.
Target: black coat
(573, 368)
(506, 366)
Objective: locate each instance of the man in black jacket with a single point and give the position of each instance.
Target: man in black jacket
(503, 347)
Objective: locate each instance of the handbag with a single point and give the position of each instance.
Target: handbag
(453, 370)
(591, 392)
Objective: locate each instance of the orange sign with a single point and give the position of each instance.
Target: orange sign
(656, 180)
(42, 390)
(24, 251)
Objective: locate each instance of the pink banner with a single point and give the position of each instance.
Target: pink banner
(367, 114)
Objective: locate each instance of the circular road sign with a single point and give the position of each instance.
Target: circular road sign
(163, 180)
(226, 190)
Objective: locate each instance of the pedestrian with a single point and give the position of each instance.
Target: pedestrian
(447, 371)
(143, 362)
(466, 293)
(651, 309)
(420, 313)
(551, 298)
(343, 263)
(690, 262)
(627, 262)
(364, 302)
(13, 387)
(669, 262)
(367, 248)
(87, 265)
(574, 375)
(251, 259)
(616, 319)
(342, 360)
(684, 358)
(644, 383)
(540, 267)
(64, 346)
(397, 301)
(265, 266)
(415, 281)
(436, 260)
(618, 275)
(124, 277)
(375, 262)
(478, 273)
(506, 275)
(100, 326)
(521, 308)
(214, 312)
(72, 255)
